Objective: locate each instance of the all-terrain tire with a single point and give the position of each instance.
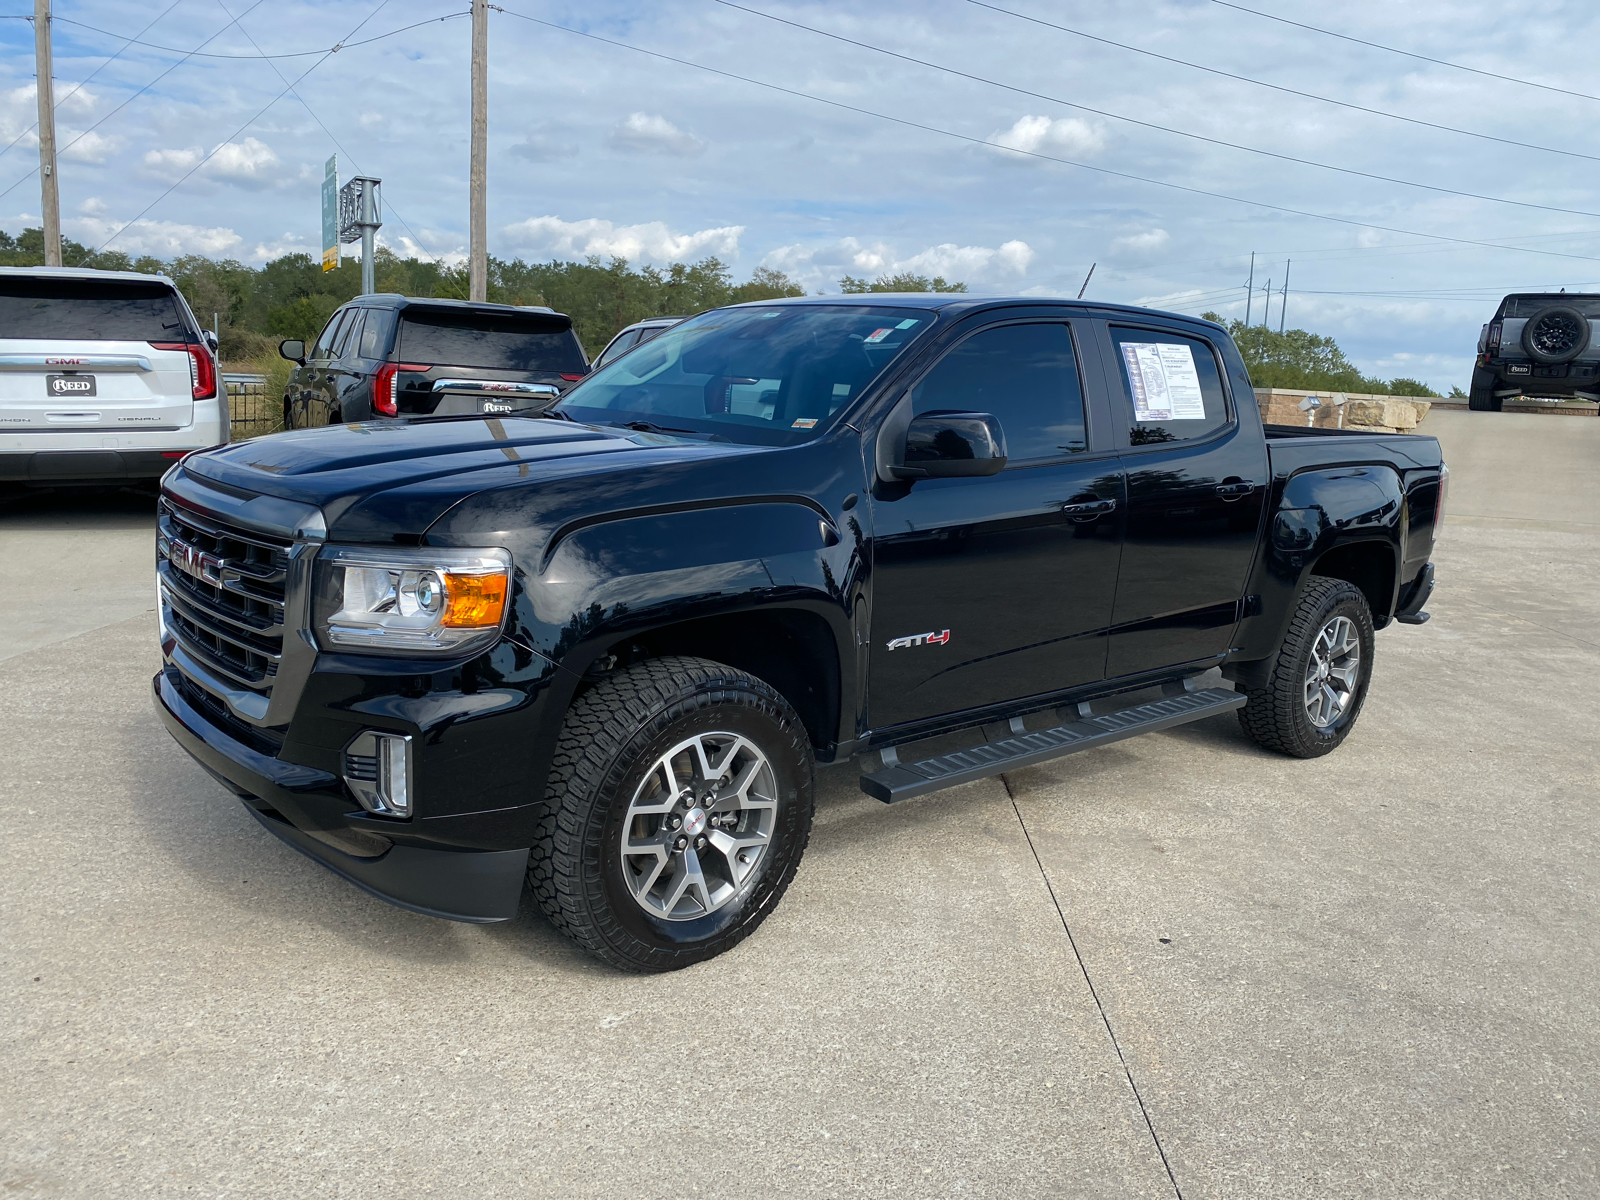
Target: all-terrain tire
(1275, 715)
(610, 741)
(1481, 397)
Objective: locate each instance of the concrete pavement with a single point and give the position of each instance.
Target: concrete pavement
(1175, 966)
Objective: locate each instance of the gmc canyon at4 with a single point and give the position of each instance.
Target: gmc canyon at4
(603, 648)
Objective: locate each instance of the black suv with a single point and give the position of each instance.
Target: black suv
(395, 356)
(1539, 344)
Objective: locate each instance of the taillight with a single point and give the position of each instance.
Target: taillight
(202, 368)
(571, 378)
(1444, 494)
(1494, 337)
(386, 386)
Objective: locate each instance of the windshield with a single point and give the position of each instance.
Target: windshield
(90, 310)
(1526, 306)
(769, 376)
(493, 341)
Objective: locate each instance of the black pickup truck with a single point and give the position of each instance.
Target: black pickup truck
(604, 648)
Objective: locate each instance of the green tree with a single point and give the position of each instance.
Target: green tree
(905, 281)
(1298, 358)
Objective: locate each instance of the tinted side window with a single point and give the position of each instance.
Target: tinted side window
(624, 342)
(350, 335)
(375, 333)
(89, 309)
(1027, 375)
(329, 336)
(1171, 386)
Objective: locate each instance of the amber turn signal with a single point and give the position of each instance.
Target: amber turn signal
(474, 601)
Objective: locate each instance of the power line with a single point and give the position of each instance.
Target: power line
(337, 144)
(1377, 112)
(926, 128)
(1199, 137)
(1345, 37)
(260, 54)
(207, 158)
(91, 74)
(130, 100)
(950, 133)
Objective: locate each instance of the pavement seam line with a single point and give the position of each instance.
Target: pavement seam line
(1084, 967)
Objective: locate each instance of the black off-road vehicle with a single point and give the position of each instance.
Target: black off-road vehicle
(1539, 344)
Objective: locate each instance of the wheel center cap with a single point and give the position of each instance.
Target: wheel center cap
(694, 822)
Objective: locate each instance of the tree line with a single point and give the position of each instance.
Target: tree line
(292, 297)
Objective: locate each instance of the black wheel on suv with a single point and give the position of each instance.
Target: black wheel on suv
(1556, 334)
(678, 807)
(1311, 700)
(1481, 398)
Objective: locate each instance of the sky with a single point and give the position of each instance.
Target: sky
(1162, 141)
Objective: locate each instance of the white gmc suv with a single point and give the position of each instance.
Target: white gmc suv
(104, 376)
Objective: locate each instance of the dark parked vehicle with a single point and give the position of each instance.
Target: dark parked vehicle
(636, 334)
(393, 356)
(1539, 344)
(605, 648)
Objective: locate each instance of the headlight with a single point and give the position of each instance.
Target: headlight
(405, 601)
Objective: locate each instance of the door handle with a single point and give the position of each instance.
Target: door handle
(1233, 489)
(1088, 509)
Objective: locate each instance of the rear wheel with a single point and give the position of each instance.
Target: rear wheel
(678, 807)
(1313, 695)
(1482, 398)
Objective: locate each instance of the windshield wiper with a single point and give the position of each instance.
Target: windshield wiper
(652, 427)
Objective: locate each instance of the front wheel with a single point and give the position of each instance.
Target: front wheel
(1481, 397)
(1311, 698)
(678, 807)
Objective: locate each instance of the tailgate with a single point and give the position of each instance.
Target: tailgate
(60, 385)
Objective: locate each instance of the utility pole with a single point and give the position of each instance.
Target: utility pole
(1250, 289)
(1266, 304)
(1284, 306)
(50, 194)
(478, 252)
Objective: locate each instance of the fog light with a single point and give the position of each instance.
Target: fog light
(377, 766)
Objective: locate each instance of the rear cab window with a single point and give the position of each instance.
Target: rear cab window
(490, 341)
(1171, 386)
(98, 310)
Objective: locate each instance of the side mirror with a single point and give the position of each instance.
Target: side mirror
(210, 339)
(946, 445)
(293, 349)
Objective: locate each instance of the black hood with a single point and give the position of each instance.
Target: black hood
(391, 480)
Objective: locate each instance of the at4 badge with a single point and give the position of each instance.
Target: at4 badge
(920, 639)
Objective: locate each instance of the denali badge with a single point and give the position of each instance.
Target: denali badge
(920, 639)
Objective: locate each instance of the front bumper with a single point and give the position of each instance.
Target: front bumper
(459, 885)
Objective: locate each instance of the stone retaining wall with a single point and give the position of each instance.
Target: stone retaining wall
(1340, 410)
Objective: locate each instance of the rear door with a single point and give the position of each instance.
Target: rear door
(1197, 481)
(92, 354)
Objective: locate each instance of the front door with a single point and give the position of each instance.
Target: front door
(1197, 480)
(991, 589)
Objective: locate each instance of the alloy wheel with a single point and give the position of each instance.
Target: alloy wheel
(1333, 672)
(698, 826)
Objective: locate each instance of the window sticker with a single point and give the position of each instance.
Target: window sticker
(910, 323)
(877, 335)
(841, 390)
(1165, 383)
(804, 423)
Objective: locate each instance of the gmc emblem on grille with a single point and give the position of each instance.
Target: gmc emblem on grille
(193, 561)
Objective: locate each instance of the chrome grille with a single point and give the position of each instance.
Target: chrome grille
(224, 591)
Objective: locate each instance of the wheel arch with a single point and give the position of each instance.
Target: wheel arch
(1369, 565)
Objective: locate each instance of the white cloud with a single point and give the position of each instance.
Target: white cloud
(1068, 136)
(172, 164)
(644, 133)
(93, 206)
(251, 162)
(650, 241)
(164, 239)
(1137, 244)
(820, 266)
(90, 147)
(370, 119)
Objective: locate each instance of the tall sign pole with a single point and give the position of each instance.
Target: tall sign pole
(360, 218)
(50, 191)
(478, 251)
(330, 215)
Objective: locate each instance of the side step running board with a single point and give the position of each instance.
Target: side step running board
(907, 779)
